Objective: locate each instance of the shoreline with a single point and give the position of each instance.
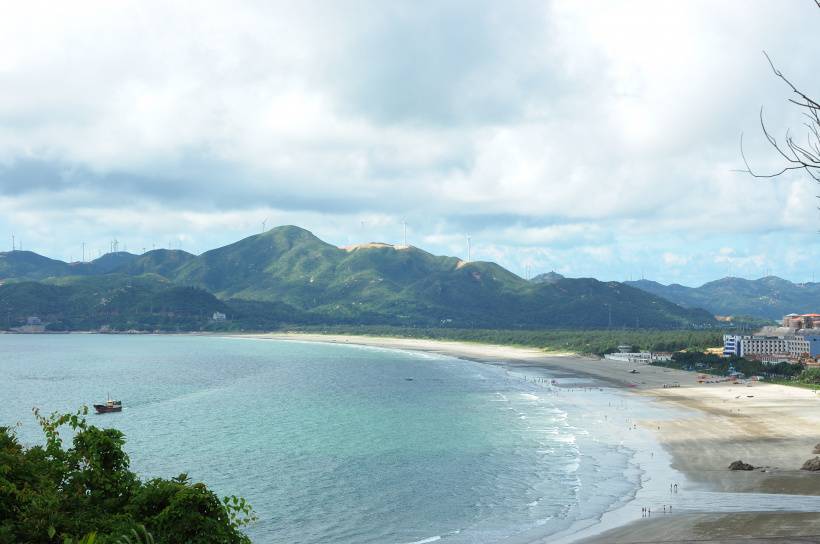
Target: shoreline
(766, 425)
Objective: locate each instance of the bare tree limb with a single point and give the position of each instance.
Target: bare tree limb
(797, 156)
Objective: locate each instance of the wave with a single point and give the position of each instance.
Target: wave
(426, 540)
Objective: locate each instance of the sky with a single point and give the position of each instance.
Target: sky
(593, 138)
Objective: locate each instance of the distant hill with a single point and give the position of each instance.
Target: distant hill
(80, 302)
(30, 265)
(27, 265)
(110, 262)
(158, 261)
(380, 283)
(289, 273)
(548, 277)
(768, 298)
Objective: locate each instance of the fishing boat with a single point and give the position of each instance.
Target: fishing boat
(109, 406)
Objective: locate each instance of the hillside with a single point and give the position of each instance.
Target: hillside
(158, 261)
(379, 283)
(548, 277)
(84, 302)
(289, 273)
(27, 265)
(768, 298)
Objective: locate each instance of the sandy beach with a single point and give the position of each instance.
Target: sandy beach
(772, 427)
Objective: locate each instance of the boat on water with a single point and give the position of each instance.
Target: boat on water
(109, 406)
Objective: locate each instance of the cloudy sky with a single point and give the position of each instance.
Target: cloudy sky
(592, 138)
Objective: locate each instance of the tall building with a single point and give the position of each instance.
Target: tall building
(798, 339)
(732, 345)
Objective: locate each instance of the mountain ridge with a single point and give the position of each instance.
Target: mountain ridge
(375, 284)
(770, 297)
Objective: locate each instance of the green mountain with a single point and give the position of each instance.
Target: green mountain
(548, 277)
(110, 262)
(379, 283)
(158, 261)
(121, 301)
(767, 298)
(29, 265)
(288, 274)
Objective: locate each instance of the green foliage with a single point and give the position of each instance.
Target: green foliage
(50, 494)
(121, 302)
(137, 536)
(240, 511)
(90, 538)
(720, 366)
(810, 376)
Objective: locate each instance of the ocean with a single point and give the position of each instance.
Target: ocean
(341, 443)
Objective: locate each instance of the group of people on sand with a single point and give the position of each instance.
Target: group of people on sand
(646, 511)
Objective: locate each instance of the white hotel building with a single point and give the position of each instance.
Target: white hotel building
(766, 347)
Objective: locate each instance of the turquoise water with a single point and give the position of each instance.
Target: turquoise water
(332, 443)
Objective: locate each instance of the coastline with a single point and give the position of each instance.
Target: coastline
(767, 425)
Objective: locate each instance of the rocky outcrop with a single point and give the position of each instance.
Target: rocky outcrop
(812, 464)
(816, 448)
(740, 465)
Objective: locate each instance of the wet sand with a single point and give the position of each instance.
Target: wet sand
(771, 426)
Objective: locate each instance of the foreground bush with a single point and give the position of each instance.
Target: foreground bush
(810, 375)
(51, 494)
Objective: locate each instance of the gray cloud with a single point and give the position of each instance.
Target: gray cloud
(596, 137)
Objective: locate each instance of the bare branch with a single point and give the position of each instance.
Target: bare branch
(809, 102)
(797, 156)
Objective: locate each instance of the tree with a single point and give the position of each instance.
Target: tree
(797, 154)
(87, 493)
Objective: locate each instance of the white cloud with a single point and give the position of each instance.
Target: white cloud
(674, 259)
(552, 132)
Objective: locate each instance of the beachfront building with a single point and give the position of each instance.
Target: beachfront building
(218, 316)
(732, 346)
(814, 344)
(639, 357)
(802, 321)
(769, 348)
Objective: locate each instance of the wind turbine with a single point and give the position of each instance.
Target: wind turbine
(468, 248)
(264, 223)
(404, 223)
